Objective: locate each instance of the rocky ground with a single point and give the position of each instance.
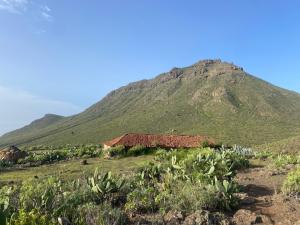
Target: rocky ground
(262, 202)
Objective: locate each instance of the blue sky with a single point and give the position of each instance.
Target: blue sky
(59, 56)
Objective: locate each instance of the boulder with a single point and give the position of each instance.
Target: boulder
(246, 217)
(203, 217)
(173, 217)
(12, 154)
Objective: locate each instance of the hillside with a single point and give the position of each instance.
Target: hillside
(211, 97)
(34, 127)
(290, 145)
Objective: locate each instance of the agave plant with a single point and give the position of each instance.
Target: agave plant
(248, 152)
(226, 190)
(103, 185)
(177, 170)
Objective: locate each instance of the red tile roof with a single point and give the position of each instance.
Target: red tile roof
(159, 140)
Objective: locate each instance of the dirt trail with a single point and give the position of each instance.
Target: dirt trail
(263, 197)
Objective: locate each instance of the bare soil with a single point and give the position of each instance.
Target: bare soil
(262, 186)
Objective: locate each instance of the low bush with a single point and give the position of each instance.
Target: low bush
(9, 201)
(138, 150)
(186, 197)
(263, 155)
(86, 151)
(33, 217)
(291, 185)
(105, 185)
(5, 164)
(142, 200)
(119, 150)
(49, 155)
(103, 214)
(281, 160)
(40, 194)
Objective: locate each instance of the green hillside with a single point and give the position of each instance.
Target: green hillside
(210, 97)
(290, 145)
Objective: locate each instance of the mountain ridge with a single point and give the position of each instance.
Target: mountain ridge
(210, 97)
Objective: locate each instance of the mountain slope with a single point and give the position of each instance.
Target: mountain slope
(210, 97)
(291, 145)
(34, 127)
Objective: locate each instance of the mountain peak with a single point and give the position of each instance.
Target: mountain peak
(216, 67)
(50, 115)
(210, 97)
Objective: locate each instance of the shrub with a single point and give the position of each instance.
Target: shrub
(42, 195)
(119, 150)
(247, 152)
(72, 196)
(141, 200)
(33, 217)
(186, 197)
(5, 164)
(60, 153)
(103, 186)
(291, 184)
(85, 151)
(225, 195)
(138, 150)
(100, 215)
(205, 144)
(8, 202)
(282, 160)
(262, 155)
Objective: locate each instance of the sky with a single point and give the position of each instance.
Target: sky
(59, 56)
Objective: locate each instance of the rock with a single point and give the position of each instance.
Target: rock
(146, 220)
(272, 173)
(246, 217)
(12, 154)
(203, 217)
(173, 218)
(289, 166)
(245, 199)
(248, 201)
(63, 221)
(83, 162)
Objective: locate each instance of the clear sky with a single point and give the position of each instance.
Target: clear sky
(59, 56)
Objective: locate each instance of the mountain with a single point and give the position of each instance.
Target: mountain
(210, 97)
(33, 128)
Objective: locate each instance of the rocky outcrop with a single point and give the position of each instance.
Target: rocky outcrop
(12, 154)
(246, 217)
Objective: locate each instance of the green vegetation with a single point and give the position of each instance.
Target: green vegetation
(42, 155)
(72, 169)
(291, 185)
(121, 151)
(289, 145)
(278, 160)
(165, 184)
(210, 97)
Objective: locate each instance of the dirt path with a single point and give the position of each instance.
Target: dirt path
(263, 197)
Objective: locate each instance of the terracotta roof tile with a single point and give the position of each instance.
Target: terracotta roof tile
(159, 140)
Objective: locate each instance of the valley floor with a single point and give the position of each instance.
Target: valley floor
(72, 169)
(262, 201)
